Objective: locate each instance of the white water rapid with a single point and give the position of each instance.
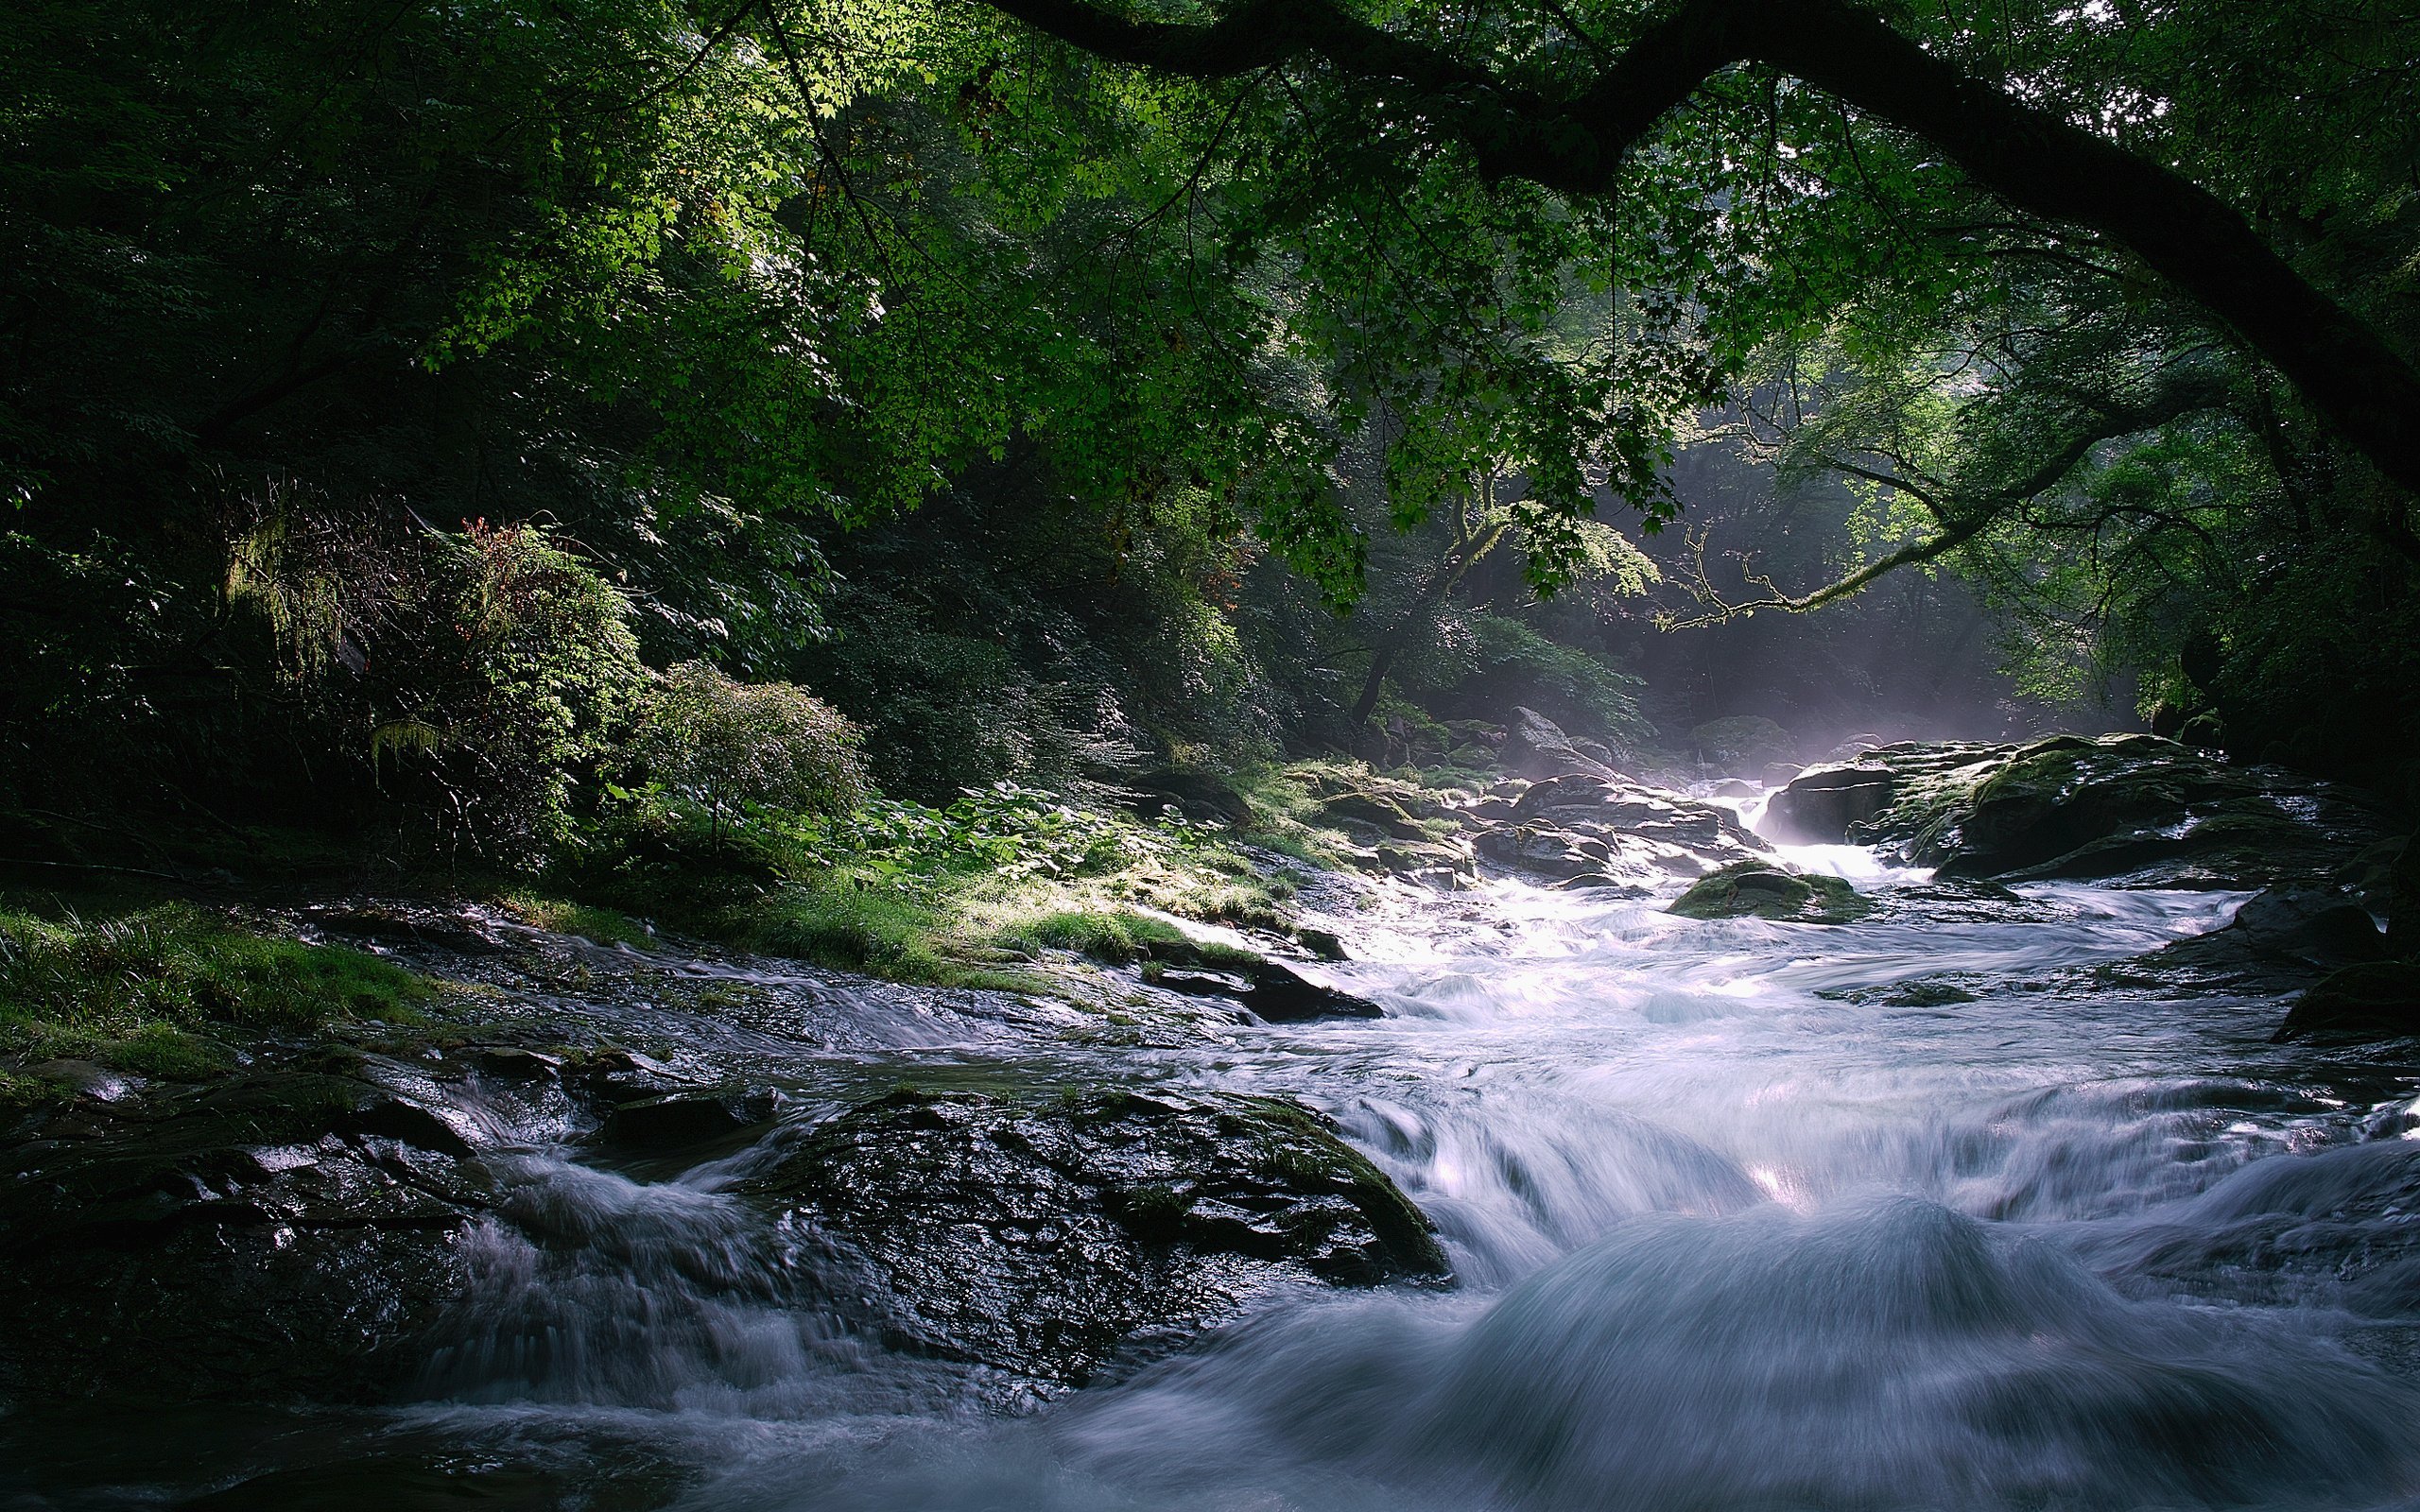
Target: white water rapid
(1738, 1221)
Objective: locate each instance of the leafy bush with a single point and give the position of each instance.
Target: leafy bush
(549, 665)
(1004, 831)
(725, 745)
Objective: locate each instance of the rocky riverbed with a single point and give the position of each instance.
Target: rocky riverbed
(672, 1219)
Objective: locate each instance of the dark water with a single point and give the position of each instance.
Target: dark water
(1735, 1230)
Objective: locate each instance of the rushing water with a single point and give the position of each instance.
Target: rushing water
(1734, 1230)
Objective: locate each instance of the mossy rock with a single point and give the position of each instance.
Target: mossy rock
(1758, 889)
(1046, 1235)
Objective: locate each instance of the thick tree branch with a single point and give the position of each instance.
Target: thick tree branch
(2032, 159)
(1961, 521)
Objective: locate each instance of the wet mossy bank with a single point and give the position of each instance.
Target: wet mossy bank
(311, 1207)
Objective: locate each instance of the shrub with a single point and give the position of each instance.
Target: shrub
(549, 665)
(724, 744)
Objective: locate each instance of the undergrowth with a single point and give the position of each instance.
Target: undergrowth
(162, 990)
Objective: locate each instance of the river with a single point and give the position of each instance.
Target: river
(1737, 1221)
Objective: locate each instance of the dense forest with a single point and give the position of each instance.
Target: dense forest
(395, 396)
(1131, 511)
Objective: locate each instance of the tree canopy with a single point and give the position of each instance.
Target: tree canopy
(2107, 304)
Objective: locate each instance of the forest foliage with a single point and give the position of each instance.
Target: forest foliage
(504, 429)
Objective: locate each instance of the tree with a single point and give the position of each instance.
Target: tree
(1567, 128)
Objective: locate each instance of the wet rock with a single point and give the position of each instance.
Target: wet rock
(2131, 809)
(2378, 1000)
(1045, 1237)
(2321, 927)
(1631, 834)
(1415, 856)
(1762, 889)
(280, 1234)
(1539, 748)
(410, 924)
(687, 1118)
(1272, 991)
(1541, 851)
(613, 1075)
(1822, 805)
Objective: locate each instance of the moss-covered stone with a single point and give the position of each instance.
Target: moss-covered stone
(2131, 808)
(1042, 1235)
(1760, 889)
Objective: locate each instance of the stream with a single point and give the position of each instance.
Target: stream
(1736, 1222)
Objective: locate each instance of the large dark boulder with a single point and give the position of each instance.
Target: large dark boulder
(2379, 1000)
(2131, 809)
(1539, 748)
(1046, 1235)
(1274, 992)
(1820, 806)
(281, 1234)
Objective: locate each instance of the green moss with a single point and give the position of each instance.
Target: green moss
(1123, 938)
(1760, 890)
(606, 926)
(834, 922)
(158, 988)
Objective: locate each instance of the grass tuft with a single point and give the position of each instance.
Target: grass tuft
(158, 989)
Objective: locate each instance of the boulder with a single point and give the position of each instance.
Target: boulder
(1049, 1236)
(1542, 850)
(2315, 925)
(1762, 889)
(1377, 810)
(1626, 834)
(281, 1234)
(2131, 809)
(682, 1119)
(1538, 749)
(1822, 805)
(1274, 992)
(2378, 1000)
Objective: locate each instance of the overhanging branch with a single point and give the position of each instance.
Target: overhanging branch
(2030, 157)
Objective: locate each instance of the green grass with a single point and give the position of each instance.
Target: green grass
(1122, 937)
(168, 988)
(606, 926)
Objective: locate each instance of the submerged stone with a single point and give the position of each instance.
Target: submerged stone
(1045, 1236)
